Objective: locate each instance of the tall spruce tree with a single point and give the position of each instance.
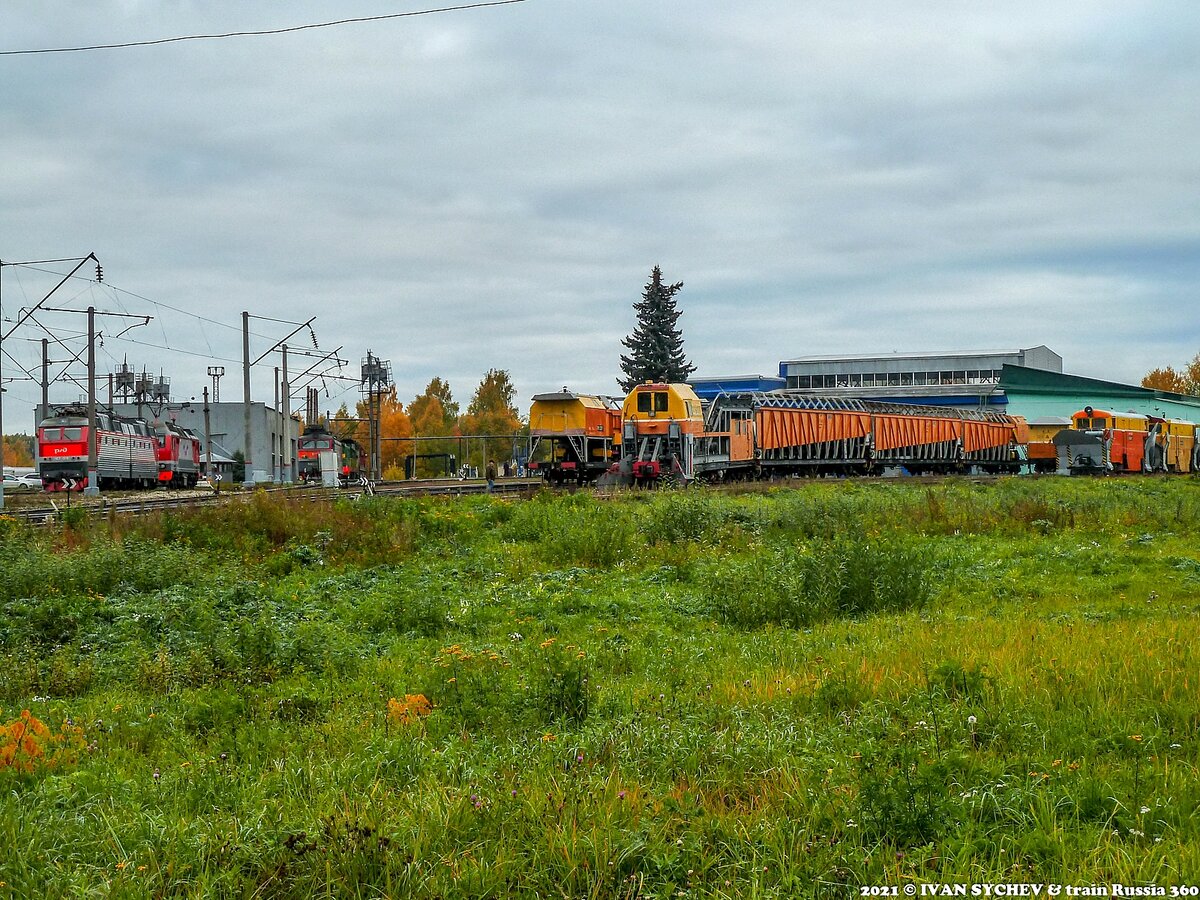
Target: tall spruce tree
(656, 345)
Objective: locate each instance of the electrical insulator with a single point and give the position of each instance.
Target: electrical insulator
(99, 273)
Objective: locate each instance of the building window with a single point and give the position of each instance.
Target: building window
(918, 378)
(894, 379)
(906, 378)
(856, 381)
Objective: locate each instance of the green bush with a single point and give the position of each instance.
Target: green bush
(827, 578)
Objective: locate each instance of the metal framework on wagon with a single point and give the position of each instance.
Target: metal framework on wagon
(853, 404)
(924, 437)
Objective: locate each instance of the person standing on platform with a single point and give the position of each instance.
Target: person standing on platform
(491, 475)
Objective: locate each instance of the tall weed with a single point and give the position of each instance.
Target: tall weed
(794, 587)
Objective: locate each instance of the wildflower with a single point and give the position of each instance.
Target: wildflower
(1144, 810)
(971, 720)
(1057, 763)
(546, 643)
(122, 864)
(620, 795)
(141, 868)
(1136, 737)
(1176, 746)
(746, 683)
(579, 758)
(514, 792)
(547, 738)
(156, 776)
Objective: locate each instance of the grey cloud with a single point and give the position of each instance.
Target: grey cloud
(491, 189)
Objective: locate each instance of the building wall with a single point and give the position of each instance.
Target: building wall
(969, 380)
(911, 369)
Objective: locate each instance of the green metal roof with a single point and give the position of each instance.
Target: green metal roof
(1037, 392)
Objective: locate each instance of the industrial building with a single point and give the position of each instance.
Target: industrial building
(963, 379)
(1037, 394)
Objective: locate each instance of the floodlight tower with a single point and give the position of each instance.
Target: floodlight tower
(216, 373)
(376, 378)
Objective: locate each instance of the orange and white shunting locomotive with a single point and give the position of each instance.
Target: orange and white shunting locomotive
(668, 435)
(1101, 441)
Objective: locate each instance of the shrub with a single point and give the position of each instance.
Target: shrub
(903, 797)
(828, 578)
(576, 530)
(954, 682)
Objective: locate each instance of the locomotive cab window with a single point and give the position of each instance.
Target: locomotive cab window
(652, 401)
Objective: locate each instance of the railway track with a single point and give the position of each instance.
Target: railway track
(146, 504)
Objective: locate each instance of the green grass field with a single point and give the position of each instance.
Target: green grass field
(794, 692)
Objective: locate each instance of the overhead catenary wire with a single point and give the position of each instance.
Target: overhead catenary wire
(270, 31)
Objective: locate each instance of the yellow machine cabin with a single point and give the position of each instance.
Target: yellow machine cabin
(573, 437)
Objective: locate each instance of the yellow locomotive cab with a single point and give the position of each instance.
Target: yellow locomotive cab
(653, 405)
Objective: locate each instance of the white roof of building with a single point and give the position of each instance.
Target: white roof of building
(952, 354)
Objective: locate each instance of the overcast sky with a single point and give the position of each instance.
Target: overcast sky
(491, 187)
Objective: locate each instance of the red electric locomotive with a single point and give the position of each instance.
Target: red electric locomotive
(125, 450)
(178, 453)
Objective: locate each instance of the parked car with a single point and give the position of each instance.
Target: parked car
(32, 479)
(14, 483)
